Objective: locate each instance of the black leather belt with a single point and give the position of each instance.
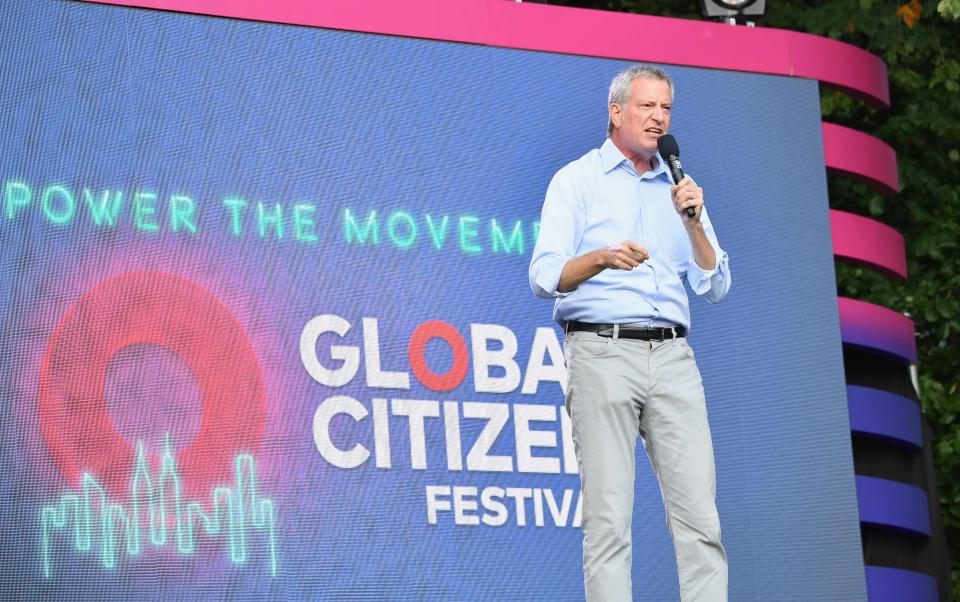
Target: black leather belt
(628, 332)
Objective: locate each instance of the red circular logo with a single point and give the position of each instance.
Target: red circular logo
(163, 310)
(435, 329)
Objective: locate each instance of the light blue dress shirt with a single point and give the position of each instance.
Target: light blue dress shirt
(600, 200)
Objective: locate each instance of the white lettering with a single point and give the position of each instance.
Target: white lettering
(484, 358)
(381, 433)
(376, 377)
(416, 410)
(435, 504)
(451, 425)
(527, 439)
(491, 498)
(350, 356)
(478, 457)
(462, 505)
(519, 495)
(338, 404)
(544, 342)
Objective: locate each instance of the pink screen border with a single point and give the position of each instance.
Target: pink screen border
(507, 24)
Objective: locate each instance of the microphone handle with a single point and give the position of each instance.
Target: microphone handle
(677, 172)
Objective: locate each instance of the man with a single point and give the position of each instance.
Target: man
(615, 242)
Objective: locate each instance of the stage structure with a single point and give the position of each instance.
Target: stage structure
(266, 325)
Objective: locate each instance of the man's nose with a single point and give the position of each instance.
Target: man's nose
(659, 114)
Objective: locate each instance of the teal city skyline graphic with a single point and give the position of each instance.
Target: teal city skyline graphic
(234, 513)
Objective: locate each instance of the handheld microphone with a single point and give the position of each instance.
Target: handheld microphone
(670, 151)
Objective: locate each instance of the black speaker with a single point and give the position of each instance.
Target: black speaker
(739, 10)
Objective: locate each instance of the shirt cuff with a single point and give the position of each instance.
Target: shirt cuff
(545, 277)
(700, 278)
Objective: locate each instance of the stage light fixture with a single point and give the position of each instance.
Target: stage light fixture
(745, 12)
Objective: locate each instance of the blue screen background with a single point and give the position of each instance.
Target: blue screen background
(107, 97)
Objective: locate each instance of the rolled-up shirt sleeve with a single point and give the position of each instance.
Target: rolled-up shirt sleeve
(714, 284)
(561, 228)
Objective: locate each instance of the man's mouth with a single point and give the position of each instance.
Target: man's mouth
(654, 131)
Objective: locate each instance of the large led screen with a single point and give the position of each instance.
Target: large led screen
(267, 331)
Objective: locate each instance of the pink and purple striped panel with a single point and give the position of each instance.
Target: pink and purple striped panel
(862, 157)
(867, 242)
(877, 328)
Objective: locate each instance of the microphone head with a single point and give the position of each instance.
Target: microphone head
(667, 145)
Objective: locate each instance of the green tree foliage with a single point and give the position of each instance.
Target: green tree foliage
(949, 9)
(921, 46)
(921, 50)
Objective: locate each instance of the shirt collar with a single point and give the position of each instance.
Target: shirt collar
(610, 157)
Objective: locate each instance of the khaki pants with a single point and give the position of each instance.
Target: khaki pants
(617, 389)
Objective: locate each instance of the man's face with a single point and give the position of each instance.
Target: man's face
(642, 118)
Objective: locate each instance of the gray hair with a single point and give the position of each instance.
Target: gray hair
(620, 86)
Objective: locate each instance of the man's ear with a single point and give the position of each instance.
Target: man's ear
(615, 115)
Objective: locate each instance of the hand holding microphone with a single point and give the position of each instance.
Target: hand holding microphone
(687, 196)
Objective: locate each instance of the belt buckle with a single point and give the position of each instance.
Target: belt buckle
(664, 333)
